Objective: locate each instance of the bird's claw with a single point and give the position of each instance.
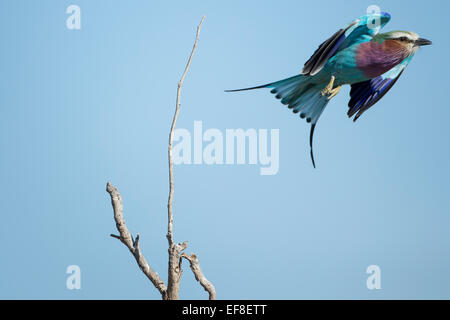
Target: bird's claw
(329, 91)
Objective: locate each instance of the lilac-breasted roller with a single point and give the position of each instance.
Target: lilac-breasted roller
(357, 55)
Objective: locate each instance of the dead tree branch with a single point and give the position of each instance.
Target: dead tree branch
(171, 291)
(132, 245)
(175, 249)
(199, 276)
(172, 131)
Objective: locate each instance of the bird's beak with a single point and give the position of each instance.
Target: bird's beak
(422, 42)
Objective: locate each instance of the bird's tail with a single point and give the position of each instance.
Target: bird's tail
(301, 94)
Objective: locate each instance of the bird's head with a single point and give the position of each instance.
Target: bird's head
(407, 39)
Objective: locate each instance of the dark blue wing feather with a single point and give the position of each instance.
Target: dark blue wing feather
(325, 51)
(365, 94)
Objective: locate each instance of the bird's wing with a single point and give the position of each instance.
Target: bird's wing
(362, 29)
(365, 94)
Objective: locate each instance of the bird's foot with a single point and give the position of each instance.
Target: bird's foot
(329, 91)
(334, 92)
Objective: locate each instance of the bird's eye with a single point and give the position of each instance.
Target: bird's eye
(403, 39)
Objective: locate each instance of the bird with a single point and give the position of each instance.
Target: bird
(357, 55)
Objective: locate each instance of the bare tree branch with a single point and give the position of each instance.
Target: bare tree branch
(175, 250)
(199, 276)
(171, 292)
(126, 238)
(172, 131)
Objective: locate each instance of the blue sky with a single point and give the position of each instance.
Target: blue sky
(81, 107)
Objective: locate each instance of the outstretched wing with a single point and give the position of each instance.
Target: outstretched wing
(365, 94)
(363, 28)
